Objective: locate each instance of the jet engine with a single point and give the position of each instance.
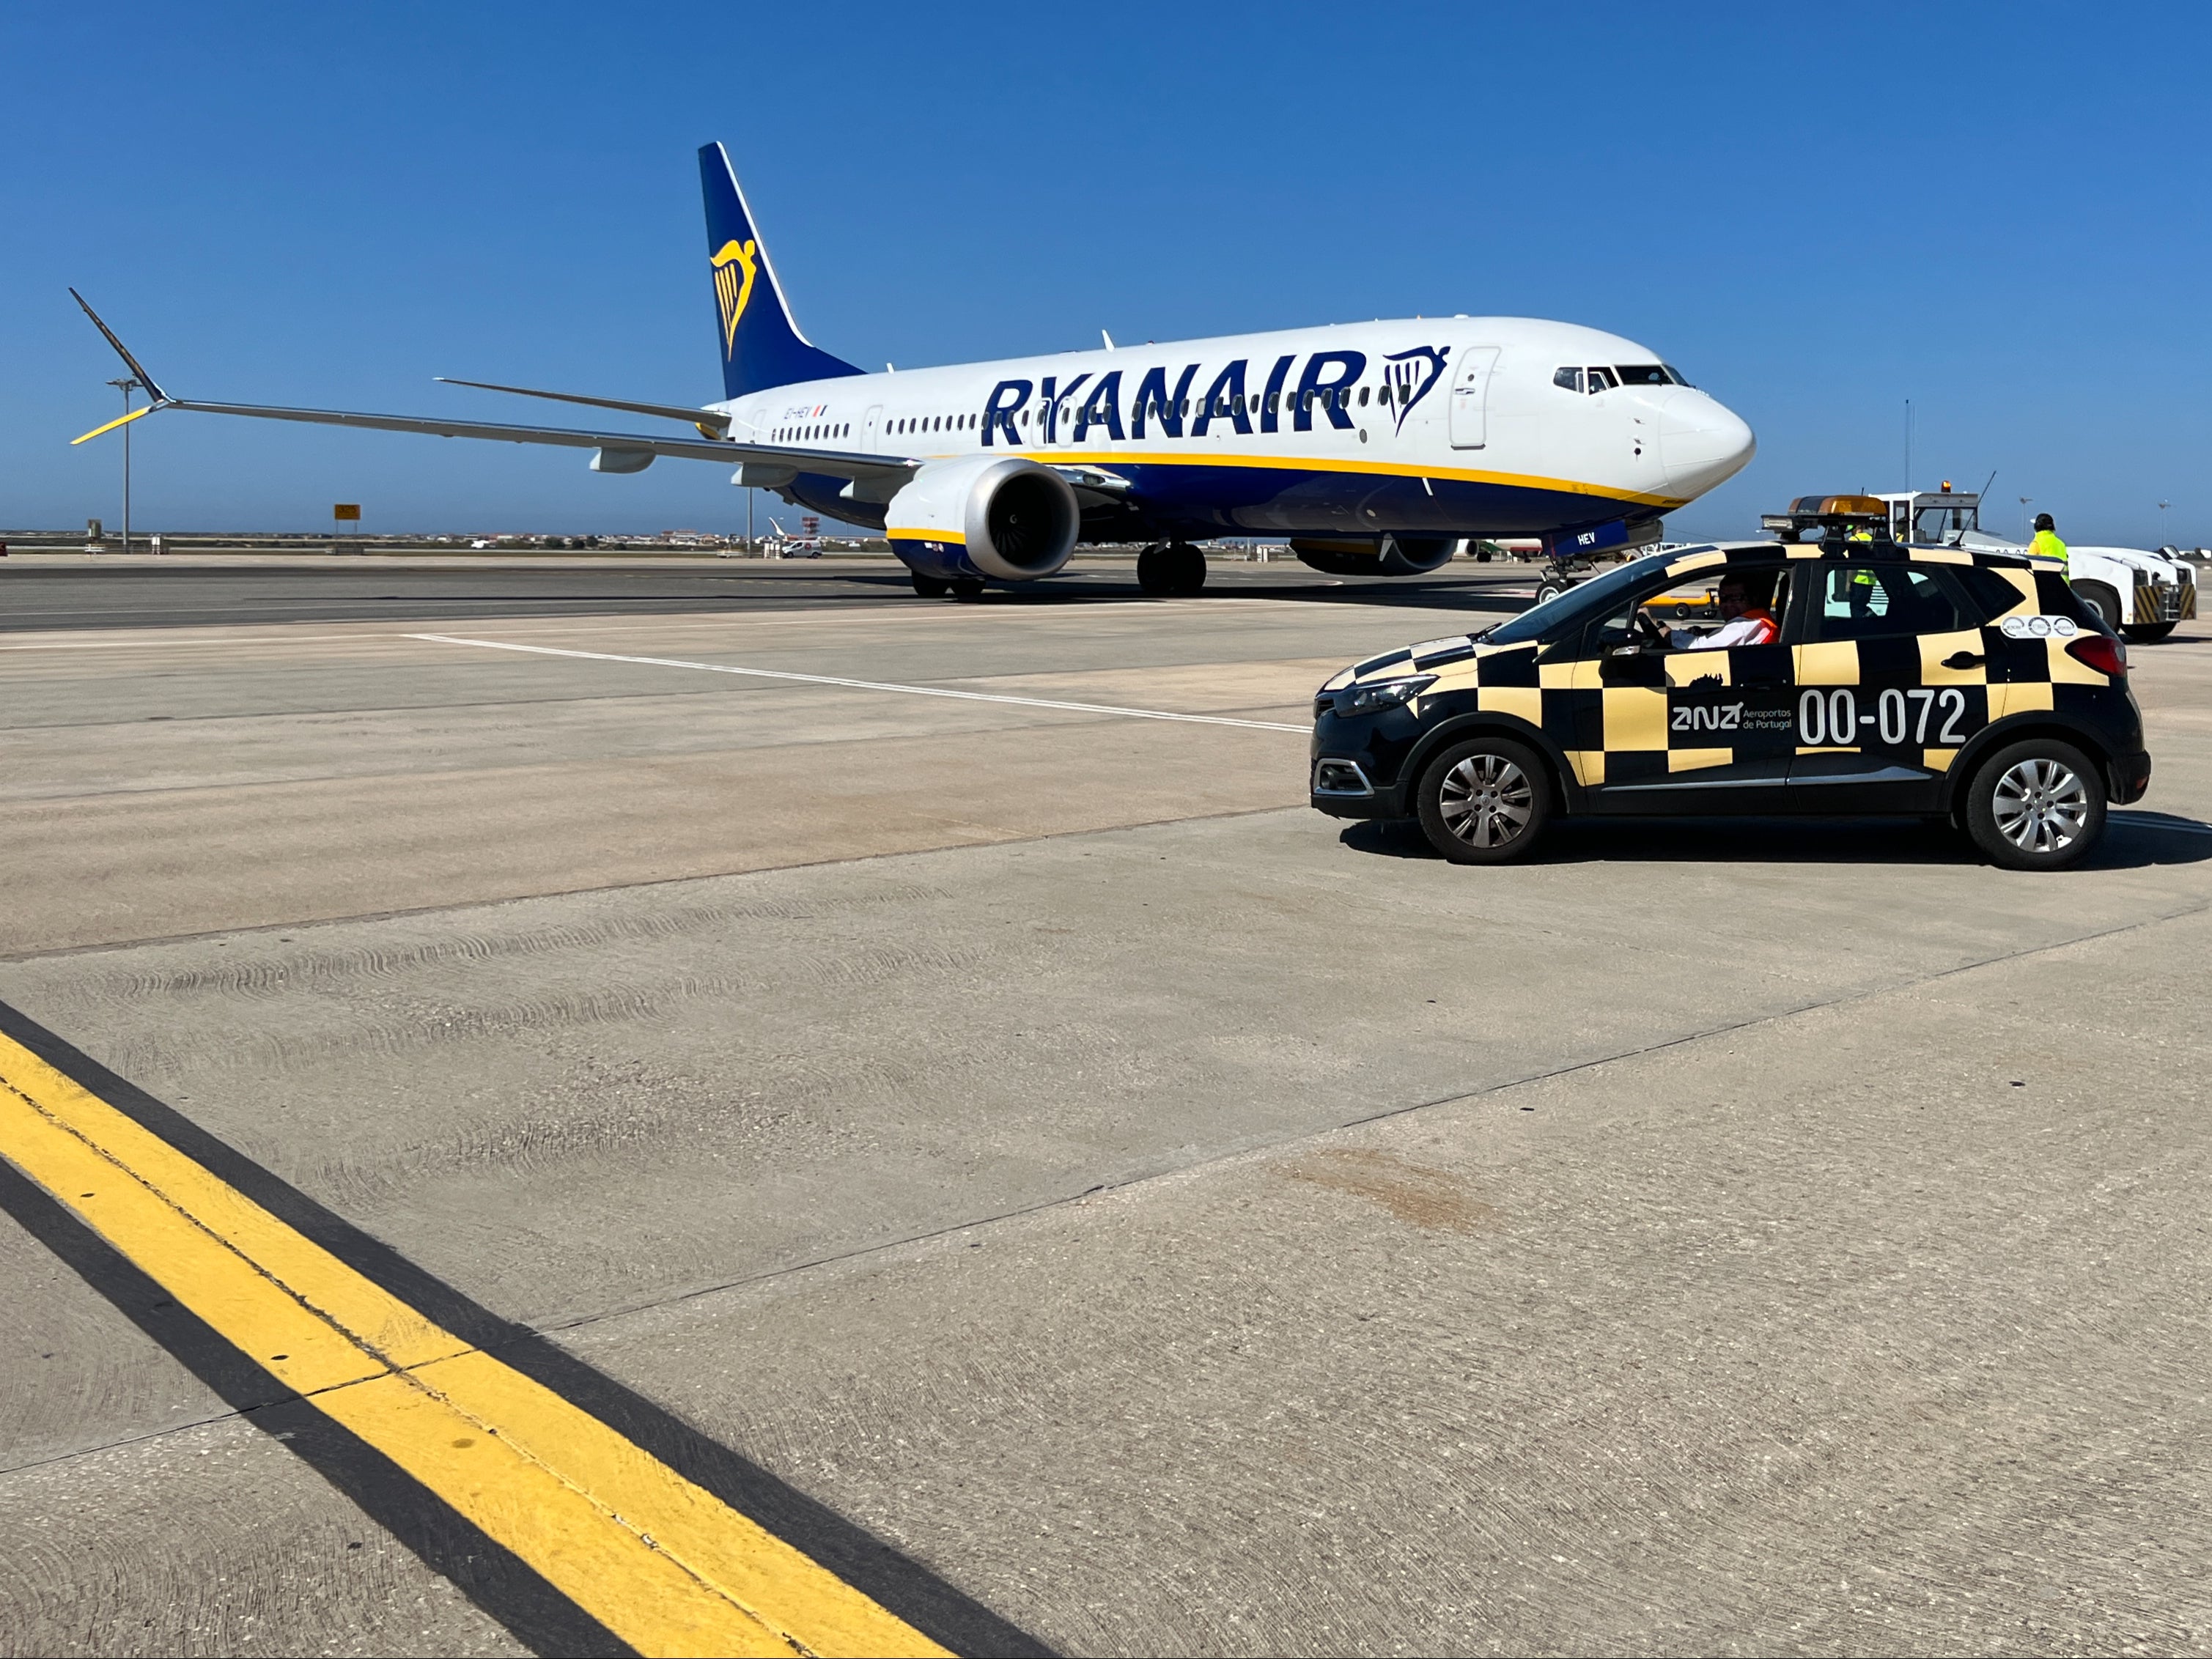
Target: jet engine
(998, 516)
(1393, 555)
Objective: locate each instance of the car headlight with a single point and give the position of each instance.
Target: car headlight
(1383, 694)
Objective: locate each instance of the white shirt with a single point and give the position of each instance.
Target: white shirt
(1744, 630)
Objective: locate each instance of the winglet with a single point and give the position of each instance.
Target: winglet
(121, 421)
(124, 352)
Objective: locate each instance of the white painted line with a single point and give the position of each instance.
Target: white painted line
(868, 685)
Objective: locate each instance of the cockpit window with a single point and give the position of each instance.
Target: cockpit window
(1569, 377)
(1677, 375)
(1643, 374)
(1601, 379)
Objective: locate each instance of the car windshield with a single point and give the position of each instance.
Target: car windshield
(1940, 526)
(1567, 608)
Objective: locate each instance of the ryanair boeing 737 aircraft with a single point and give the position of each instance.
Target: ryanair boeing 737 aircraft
(1375, 448)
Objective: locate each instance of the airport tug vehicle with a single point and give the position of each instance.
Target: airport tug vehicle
(1941, 683)
(2142, 593)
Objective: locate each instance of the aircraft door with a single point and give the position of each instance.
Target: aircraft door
(1470, 396)
(870, 427)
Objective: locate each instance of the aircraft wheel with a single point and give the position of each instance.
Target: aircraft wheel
(931, 587)
(1548, 590)
(2148, 633)
(1189, 568)
(967, 590)
(1155, 570)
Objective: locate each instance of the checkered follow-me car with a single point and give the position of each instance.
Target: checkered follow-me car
(1941, 683)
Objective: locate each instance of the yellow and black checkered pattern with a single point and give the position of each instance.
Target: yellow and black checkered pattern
(1752, 713)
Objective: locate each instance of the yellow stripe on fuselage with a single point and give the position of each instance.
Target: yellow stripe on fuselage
(1111, 458)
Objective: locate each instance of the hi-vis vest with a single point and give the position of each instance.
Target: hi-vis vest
(2046, 545)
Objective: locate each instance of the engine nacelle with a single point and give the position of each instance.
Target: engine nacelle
(999, 516)
(1393, 555)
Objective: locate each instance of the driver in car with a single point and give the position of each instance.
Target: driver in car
(1745, 619)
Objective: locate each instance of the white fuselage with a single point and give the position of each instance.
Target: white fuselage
(1446, 426)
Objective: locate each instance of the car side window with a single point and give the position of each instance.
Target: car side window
(1614, 629)
(1686, 605)
(1856, 601)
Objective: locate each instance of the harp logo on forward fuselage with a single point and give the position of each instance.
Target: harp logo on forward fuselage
(735, 266)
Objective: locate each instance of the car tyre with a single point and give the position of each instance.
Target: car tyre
(931, 587)
(1486, 801)
(2037, 804)
(2148, 633)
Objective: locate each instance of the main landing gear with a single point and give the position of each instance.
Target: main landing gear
(1175, 568)
(966, 589)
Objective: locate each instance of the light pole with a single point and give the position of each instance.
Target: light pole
(2024, 501)
(2162, 541)
(127, 385)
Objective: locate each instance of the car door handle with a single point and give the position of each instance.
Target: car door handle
(1963, 660)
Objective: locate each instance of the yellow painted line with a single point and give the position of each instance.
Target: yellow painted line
(121, 421)
(663, 1563)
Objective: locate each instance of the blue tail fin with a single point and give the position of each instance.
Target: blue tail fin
(762, 347)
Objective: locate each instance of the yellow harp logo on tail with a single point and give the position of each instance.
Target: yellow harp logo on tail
(734, 268)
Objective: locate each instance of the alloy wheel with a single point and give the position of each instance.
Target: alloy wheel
(2040, 806)
(1486, 800)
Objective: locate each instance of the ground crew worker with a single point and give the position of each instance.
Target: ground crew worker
(2046, 544)
(1744, 622)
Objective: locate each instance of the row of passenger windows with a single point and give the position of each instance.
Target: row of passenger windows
(1247, 403)
(1602, 379)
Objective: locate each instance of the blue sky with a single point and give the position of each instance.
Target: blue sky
(1999, 212)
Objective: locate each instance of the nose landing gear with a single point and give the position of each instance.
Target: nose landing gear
(1175, 568)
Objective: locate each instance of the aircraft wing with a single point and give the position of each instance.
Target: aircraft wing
(767, 466)
(624, 445)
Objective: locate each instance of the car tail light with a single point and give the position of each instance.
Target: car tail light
(2101, 651)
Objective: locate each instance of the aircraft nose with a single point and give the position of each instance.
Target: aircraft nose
(1702, 443)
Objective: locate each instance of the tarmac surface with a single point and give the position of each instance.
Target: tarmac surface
(928, 1056)
(43, 591)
